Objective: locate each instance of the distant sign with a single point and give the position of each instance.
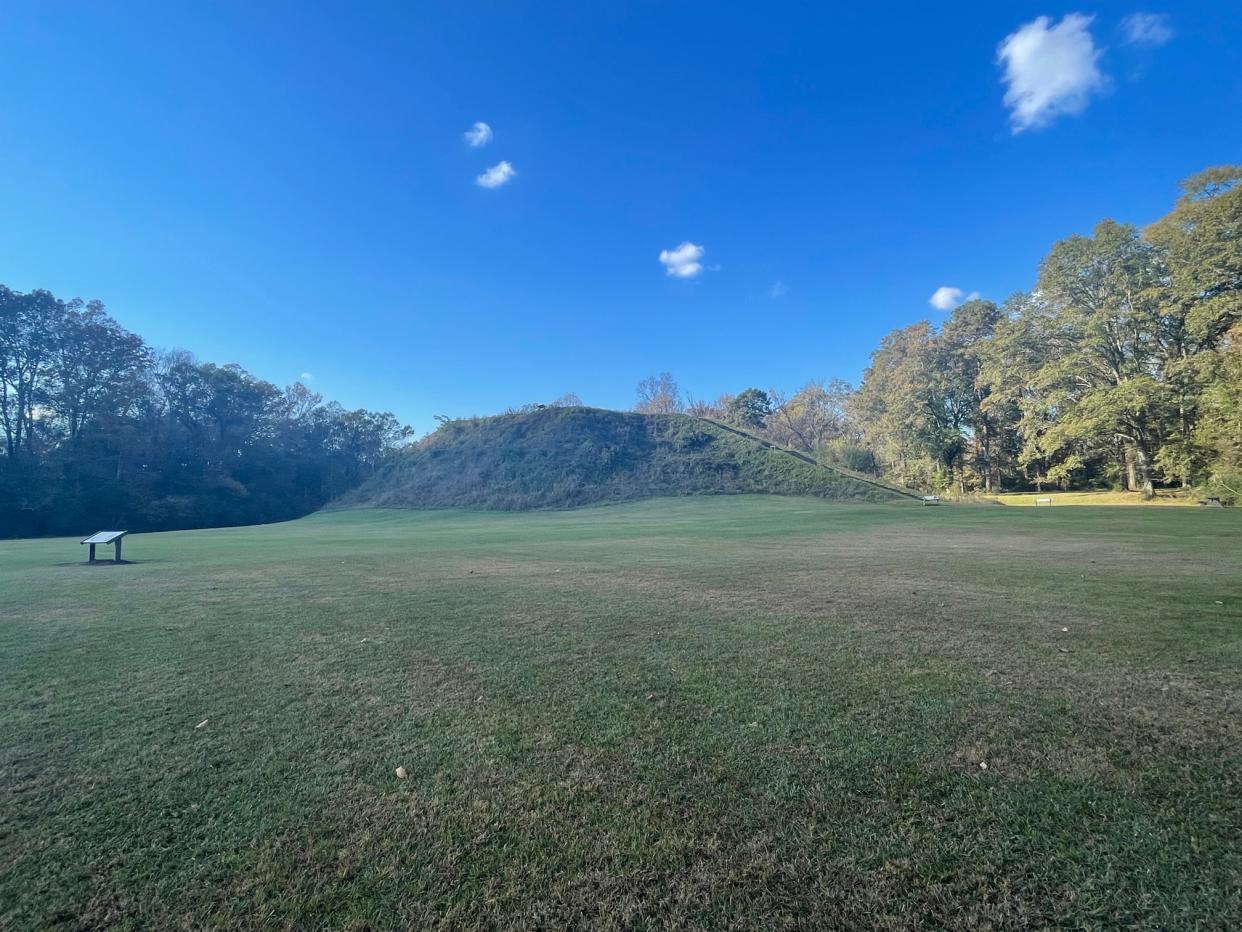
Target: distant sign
(104, 537)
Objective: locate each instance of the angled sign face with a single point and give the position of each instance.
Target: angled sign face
(103, 537)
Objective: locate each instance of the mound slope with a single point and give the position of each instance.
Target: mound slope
(565, 457)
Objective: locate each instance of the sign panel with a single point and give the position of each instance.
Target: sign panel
(104, 537)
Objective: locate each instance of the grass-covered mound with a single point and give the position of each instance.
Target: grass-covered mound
(563, 457)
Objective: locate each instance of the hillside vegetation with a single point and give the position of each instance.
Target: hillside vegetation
(564, 457)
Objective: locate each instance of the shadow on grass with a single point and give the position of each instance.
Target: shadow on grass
(108, 562)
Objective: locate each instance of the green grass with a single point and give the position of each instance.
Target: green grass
(733, 711)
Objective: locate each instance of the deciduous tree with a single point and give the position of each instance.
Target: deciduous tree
(659, 394)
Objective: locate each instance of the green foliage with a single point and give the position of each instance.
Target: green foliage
(1201, 244)
(99, 431)
(1225, 483)
(817, 413)
(918, 401)
(848, 454)
(749, 408)
(1116, 367)
(1220, 426)
(565, 457)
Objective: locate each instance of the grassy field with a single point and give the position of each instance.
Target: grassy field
(686, 712)
(1182, 499)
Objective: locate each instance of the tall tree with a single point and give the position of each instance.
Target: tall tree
(815, 414)
(658, 394)
(1097, 313)
(750, 408)
(98, 367)
(1201, 243)
(1220, 428)
(30, 325)
(1201, 295)
(988, 424)
(916, 407)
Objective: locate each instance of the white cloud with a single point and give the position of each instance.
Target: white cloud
(683, 262)
(1147, 29)
(494, 177)
(778, 290)
(1051, 71)
(946, 297)
(478, 135)
(306, 377)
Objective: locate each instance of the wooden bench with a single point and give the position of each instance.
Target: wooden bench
(1043, 500)
(931, 499)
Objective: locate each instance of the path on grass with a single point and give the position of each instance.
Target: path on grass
(806, 458)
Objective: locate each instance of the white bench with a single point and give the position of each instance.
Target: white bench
(931, 499)
(1045, 500)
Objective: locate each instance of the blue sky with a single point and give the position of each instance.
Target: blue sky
(289, 187)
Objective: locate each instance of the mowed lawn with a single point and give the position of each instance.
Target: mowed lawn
(712, 712)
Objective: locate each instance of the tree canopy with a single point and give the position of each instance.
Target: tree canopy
(99, 429)
(1117, 368)
(1120, 367)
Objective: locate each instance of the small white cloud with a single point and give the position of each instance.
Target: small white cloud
(1051, 71)
(946, 297)
(494, 177)
(1150, 30)
(478, 135)
(306, 377)
(683, 262)
(778, 290)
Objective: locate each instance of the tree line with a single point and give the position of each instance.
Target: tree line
(1121, 368)
(100, 430)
